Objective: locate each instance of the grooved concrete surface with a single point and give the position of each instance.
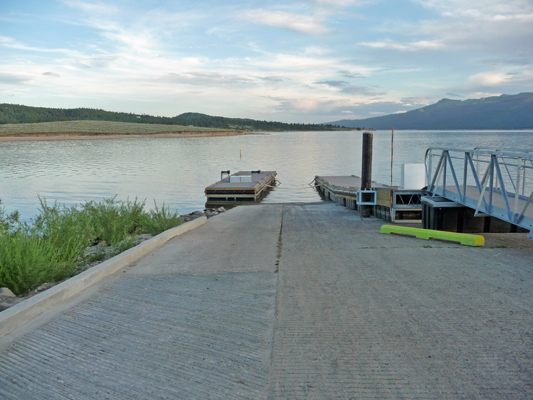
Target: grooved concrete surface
(352, 314)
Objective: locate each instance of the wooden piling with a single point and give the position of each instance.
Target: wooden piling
(366, 170)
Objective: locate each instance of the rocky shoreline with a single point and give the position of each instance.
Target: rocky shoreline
(96, 254)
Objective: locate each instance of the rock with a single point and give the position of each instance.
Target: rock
(197, 212)
(221, 209)
(209, 213)
(141, 238)
(6, 302)
(99, 248)
(44, 286)
(144, 236)
(6, 292)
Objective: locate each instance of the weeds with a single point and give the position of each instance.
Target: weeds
(160, 219)
(124, 245)
(114, 221)
(51, 249)
(98, 256)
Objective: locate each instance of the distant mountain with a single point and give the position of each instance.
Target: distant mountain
(16, 114)
(499, 112)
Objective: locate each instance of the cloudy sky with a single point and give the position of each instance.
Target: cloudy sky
(283, 60)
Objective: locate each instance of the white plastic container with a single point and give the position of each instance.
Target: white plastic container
(413, 176)
(246, 178)
(235, 179)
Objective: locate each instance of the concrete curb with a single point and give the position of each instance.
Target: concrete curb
(24, 312)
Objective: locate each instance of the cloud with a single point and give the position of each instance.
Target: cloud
(316, 51)
(306, 24)
(364, 110)
(412, 46)
(336, 84)
(519, 60)
(14, 78)
(501, 29)
(499, 78)
(13, 44)
(306, 105)
(490, 78)
(480, 95)
(52, 74)
(287, 63)
(416, 101)
(363, 90)
(479, 9)
(337, 108)
(93, 8)
(96, 61)
(339, 3)
(351, 74)
(271, 79)
(210, 79)
(348, 88)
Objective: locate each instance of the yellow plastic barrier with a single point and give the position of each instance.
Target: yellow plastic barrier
(462, 238)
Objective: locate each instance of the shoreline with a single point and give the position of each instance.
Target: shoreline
(16, 137)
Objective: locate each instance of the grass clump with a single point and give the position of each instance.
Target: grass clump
(159, 220)
(44, 252)
(52, 248)
(115, 220)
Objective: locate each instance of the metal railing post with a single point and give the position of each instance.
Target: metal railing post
(517, 192)
(491, 188)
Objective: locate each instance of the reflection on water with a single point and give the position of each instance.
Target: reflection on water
(176, 170)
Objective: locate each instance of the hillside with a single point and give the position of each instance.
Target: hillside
(18, 114)
(97, 128)
(500, 112)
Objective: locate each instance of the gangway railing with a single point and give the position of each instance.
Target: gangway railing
(494, 182)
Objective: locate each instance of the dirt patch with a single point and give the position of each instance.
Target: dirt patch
(508, 240)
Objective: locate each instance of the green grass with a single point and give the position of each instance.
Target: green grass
(96, 127)
(50, 249)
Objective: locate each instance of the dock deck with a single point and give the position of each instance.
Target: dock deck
(241, 186)
(406, 204)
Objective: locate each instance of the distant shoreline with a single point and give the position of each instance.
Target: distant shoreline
(99, 136)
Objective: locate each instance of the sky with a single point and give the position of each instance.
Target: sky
(307, 61)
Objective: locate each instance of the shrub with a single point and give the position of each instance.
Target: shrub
(159, 220)
(113, 220)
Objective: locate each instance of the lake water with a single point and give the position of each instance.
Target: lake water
(176, 170)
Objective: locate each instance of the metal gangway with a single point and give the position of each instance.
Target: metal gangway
(493, 182)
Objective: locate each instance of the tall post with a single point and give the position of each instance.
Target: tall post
(366, 170)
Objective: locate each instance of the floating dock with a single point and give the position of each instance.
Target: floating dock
(392, 204)
(242, 186)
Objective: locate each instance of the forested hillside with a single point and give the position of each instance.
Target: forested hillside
(15, 114)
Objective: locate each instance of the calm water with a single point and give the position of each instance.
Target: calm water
(176, 170)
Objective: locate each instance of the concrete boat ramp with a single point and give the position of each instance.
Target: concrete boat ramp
(302, 301)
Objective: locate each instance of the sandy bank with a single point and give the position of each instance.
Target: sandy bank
(93, 136)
